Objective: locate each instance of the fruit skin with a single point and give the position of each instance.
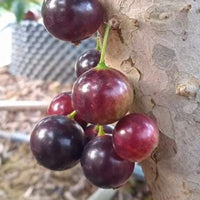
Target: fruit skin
(135, 137)
(31, 15)
(86, 61)
(72, 20)
(57, 142)
(91, 132)
(102, 166)
(80, 121)
(62, 105)
(102, 96)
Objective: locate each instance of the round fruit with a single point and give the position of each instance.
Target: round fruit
(57, 142)
(86, 61)
(102, 96)
(72, 20)
(102, 166)
(61, 104)
(108, 129)
(135, 137)
(91, 131)
(31, 15)
(80, 121)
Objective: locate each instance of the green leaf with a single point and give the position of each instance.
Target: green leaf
(19, 9)
(6, 4)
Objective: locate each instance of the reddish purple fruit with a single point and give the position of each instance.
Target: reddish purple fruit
(135, 137)
(31, 15)
(102, 96)
(86, 61)
(62, 105)
(57, 142)
(102, 166)
(72, 20)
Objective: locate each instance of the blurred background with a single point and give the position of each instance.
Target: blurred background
(35, 67)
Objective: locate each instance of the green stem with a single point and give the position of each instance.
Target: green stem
(98, 45)
(72, 115)
(101, 131)
(105, 40)
(96, 128)
(102, 64)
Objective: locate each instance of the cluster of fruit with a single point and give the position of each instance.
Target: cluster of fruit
(77, 128)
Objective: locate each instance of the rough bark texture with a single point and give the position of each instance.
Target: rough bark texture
(157, 45)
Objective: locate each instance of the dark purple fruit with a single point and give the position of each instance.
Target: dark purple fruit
(102, 96)
(108, 129)
(86, 61)
(57, 142)
(72, 20)
(102, 166)
(78, 119)
(91, 131)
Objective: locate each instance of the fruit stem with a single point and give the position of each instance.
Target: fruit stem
(101, 131)
(96, 128)
(98, 45)
(102, 64)
(105, 41)
(72, 115)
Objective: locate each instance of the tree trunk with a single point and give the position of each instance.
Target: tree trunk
(157, 44)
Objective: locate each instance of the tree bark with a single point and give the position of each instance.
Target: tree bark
(157, 44)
